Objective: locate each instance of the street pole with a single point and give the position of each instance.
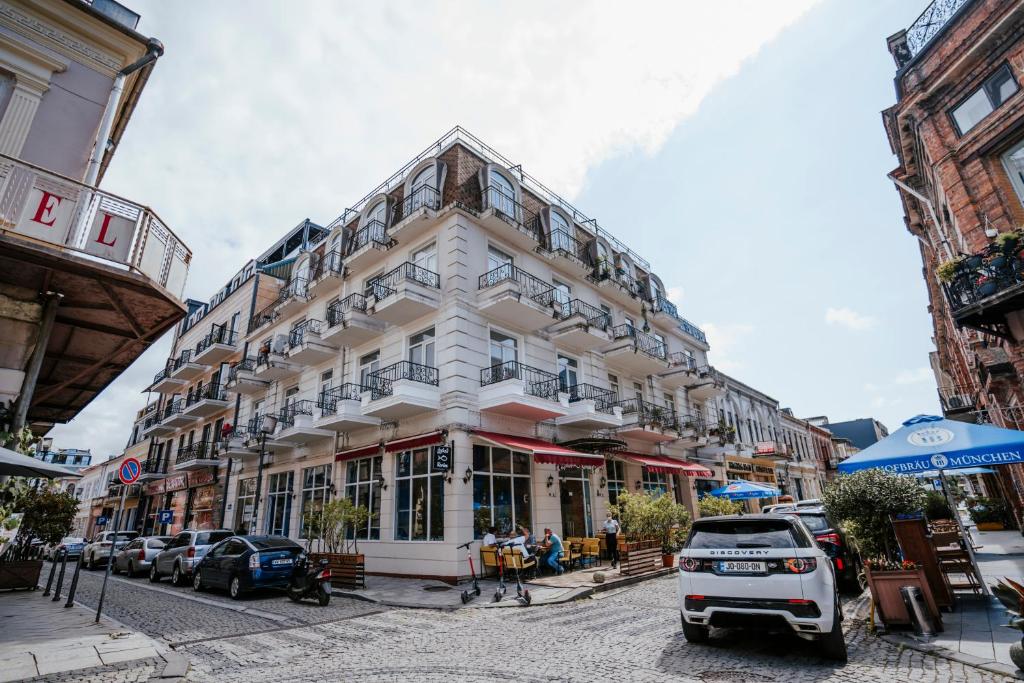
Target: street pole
(113, 544)
(259, 483)
(224, 500)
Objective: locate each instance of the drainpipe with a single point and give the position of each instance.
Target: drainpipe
(154, 50)
(931, 211)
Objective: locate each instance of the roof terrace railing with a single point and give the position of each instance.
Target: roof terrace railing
(931, 22)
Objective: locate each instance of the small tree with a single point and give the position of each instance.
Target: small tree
(713, 506)
(335, 525)
(864, 501)
(653, 516)
(47, 516)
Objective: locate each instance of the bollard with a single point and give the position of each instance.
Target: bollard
(49, 582)
(60, 579)
(74, 581)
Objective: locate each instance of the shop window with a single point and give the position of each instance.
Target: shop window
(996, 89)
(655, 482)
(279, 503)
(316, 491)
(501, 490)
(419, 498)
(615, 472)
(362, 487)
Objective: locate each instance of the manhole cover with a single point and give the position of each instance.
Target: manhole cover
(437, 589)
(732, 677)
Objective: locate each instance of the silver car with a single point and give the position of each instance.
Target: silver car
(136, 557)
(183, 553)
(97, 552)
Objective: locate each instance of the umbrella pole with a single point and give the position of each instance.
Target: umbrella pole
(963, 532)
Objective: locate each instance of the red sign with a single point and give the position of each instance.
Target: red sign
(129, 471)
(175, 483)
(200, 478)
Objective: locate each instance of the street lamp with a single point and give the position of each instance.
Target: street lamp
(268, 423)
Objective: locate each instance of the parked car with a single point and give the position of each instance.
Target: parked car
(809, 503)
(97, 552)
(184, 551)
(779, 507)
(846, 560)
(73, 544)
(761, 572)
(244, 563)
(136, 557)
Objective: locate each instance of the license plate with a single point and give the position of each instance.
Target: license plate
(741, 567)
(278, 563)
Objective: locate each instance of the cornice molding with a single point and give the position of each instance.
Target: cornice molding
(51, 36)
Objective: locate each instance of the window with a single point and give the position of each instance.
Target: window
(655, 482)
(670, 402)
(568, 375)
(503, 348)
(421, 348)
(316, 490)
(425, 257)
(996, 89)
(561, 233)
(1013, 162)
(419, 498)
(362, 487)
(325, 381)
(424, 188)
(279, 503)
(638, 390)
(616, 474)
(377, 213)
(233, 547)
(563, 292)
(367, 364)
(501, 490)
(613, 384)
(496, 258)
(501, 194)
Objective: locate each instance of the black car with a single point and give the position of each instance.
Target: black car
(244, 563)
(847, 562)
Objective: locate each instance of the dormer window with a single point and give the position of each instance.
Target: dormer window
(377, 213)
(561, 232)
(424, 188)
(501, 194)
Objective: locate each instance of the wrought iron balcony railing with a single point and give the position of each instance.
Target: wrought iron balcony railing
(692, 330)
(373, 232)
(512, 212)
(184, 357)
(200, 450)
(293, 408)
(381, 382)
(423, 196)
(328, 400)
(212, 392)
(154, 466)
(536, 382)
(984, 275)
(264, 317)
(173, 407)
(245, 365)
(337, 310)
(957, 399)
(295, 289)
(604, 399)
(530, 285)
(632, 286)
(219, 334)
(930, 23)
(386, 285)
(648, 413)
(681, 360)
(328, 264)
(663, 305)
(593, 315)
(642, 341)
(163, 373)
(691, 421)
(298, 334)
(151, 420)
(561, 242)
(708, 373)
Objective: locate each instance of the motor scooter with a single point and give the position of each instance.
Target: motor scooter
(468, 595)
(310, 580)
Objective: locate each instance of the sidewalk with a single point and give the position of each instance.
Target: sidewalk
(39, 637)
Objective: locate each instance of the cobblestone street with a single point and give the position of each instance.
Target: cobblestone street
(631, 634)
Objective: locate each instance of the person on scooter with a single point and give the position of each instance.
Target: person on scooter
(554, 547)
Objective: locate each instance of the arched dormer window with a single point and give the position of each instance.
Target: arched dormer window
(423, 186)
(560, 232)
(374, 223)
(500, 192)
(604, 259)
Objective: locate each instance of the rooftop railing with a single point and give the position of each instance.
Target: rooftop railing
(530, 285)
(539, 383)
(381, 382)
(931, 22)
(642, 341)
(337, 310)
(593, 315)
(692, 330)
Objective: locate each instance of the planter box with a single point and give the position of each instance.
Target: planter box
(347, 570)
(668, 560)
(885, 591)
(20, 574)
(639, 557)
(990, 526)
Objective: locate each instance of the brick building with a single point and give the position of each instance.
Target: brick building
(957, 129)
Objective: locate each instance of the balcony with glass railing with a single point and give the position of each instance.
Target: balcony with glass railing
(402, 390)
(518, 390)
(515, 297)
(404, 294)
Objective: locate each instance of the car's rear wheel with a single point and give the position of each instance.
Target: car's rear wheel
(694, 633)
(197, 581)
(154, 575)
(833, 644)
(177, 576)
(235, 588)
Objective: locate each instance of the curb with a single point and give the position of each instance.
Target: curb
(938, 651)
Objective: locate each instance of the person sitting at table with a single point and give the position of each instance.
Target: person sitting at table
(489, 538)
(530, 539)
(519, 544)
(554, 547)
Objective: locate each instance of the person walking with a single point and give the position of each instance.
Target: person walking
(611, 538)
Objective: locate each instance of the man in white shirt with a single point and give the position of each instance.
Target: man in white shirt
(489, 538)
(519, 544)
(611, 535)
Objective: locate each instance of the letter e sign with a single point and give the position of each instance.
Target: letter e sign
(110, 236)
(46, 215)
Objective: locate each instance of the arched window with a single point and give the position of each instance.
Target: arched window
(376, 221)
(502, 195)
(560, 232)
(604, 262)
(424, 190)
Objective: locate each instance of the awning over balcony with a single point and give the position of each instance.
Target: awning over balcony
(543, 451)
(361, 452)
(411, 442)
(663, 465)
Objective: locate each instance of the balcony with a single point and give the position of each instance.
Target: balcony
(348, 323)
(635, 352)
(185, 368)
(236, 444)
(263, 318)
(154, 426)
(682, 371)
(568, 252)
(401, 390)
(619, 285)
(692, 430)
(296, 424)
(368, 245)
(517, 390)
(272, 366)
(197, 456)
(664, 310)
(252, 439)
(987, 286)
(208, 401)
(307, 347)
(242, 378)
(958, 403)
(512, 296)
(216, 347)
(708, 385)
(165, 384)
(404, 294)
(510, 219)
(174, 417)
(326, 273)
(153, 469)
(772, 450)
(582, 327)
(292, 297)
(341, 409)
(931, 22)
(415, 214)
(645, 421)
(591, 407)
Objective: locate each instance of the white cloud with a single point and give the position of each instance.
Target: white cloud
(915, 376)
(724, 340)
(675, 295)
(262, 113)
(848, 318)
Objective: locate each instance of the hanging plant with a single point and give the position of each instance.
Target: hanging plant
(1007, 241)
(948, 270)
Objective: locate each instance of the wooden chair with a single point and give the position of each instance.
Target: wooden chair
(515, 561)
(565, 559)
(590, 552)
(488, 559)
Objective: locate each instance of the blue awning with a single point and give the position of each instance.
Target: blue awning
(743, 490)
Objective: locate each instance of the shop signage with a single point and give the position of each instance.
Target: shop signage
(764, 448)
(154, 489)
(442, 460)
(200, 478)
(751, 467)
(739, 466)
(175, 483)
(164, 516)
(101, 520)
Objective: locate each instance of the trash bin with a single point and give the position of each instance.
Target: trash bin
(913, 598)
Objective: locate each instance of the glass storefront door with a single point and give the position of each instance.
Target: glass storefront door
(577, 520)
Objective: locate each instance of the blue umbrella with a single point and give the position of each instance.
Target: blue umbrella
(742, 490)
(963, 472)
(927, 442)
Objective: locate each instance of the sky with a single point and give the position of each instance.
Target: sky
(738, 146)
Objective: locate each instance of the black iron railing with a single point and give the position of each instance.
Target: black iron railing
(386, 285)
(173, 407)
(593, 315)
(337, 310)
(151, 420)
(373, 232)
(985, 274)
(647, 413)
(631, 285)
(663, 305)
(692, 330)
(691, 421)
(604, 399)
(642, 342)
(423, 197)
(680, 360)
(154, 466)
(328, 400)
(264, 317)
(709, 374)
(380, 382)
(326, 265)
(957, 399)
(512, 212)
(529, 285)
(930, 23)
(301, 332)
(295, 289)
(561, 242)
(160, 376)
(200, 450)
(212, 392)
(244, 365)
(219, 334)
(182, 359)
(536, 382)
(293, 408)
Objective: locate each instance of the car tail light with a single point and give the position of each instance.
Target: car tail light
(829, 538)
(191, 552)
(689, 564)
(324, 575)
(800, 565)
(839, 563)
(694, 597)
(254, 561)
(800, 602)
(142, 555)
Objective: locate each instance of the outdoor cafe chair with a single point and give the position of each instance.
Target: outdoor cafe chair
(591, 552)
(489, 559)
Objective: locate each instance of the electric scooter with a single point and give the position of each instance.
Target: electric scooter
(500, 591)
(468, 595)
(522, 594)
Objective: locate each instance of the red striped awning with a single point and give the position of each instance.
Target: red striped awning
(361, 452)
(543, 451)
(664, 465)
(411, 442)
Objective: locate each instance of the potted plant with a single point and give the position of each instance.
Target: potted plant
(1007, 241)
(713, 506)
(47, 516)
(886, 577)
(948, 270)
(654, 525)
(989, 514)
(985, 286)
(333, 528)
(1011, 594)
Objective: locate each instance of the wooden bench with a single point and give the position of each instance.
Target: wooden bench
(347, 571)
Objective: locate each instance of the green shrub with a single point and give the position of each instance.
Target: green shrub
(936, 507)
(47, 516)
(862, 503)
(712, 506)
(653, 516)
(984, 510)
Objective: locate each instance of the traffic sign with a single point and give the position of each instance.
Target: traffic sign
(129, 470)
(101, 521)
(164, 516)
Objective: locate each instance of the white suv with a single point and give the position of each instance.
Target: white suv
(759, 571)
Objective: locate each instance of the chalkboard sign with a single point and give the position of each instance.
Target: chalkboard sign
(442, 460)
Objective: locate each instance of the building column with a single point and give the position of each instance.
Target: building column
(17, 120)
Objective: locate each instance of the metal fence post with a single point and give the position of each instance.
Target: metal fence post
(60, 579)
(49, 582)
(74, 582)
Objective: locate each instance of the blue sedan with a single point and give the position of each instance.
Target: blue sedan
(244, 563)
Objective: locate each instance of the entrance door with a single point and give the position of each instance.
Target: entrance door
(576, 513)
